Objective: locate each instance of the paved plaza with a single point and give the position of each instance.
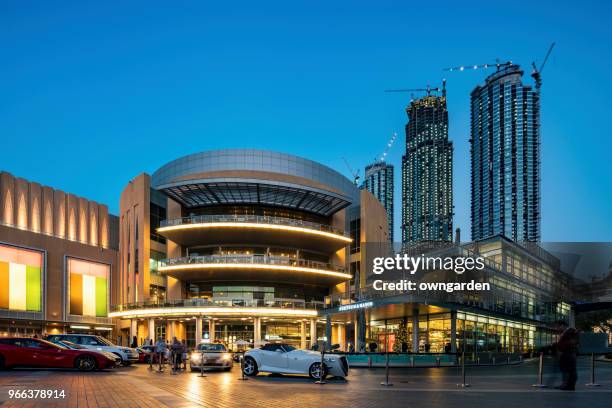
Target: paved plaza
(505, 386)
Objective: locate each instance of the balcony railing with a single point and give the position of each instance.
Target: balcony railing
(251, 259)
(298, 304)
(256, 219)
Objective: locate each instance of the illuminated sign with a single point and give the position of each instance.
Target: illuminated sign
(354, 306)
(88, 285)
(20, 279)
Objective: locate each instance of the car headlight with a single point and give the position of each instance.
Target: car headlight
(329, 360)
(196, 358)
(226, 356)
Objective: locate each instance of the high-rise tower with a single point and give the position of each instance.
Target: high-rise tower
(427, 172)
(379, 181)
(505, 150)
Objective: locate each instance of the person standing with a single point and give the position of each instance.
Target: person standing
(176, 349)
(160, 349)
(568, 355)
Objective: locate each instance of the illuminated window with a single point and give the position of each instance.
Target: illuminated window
(20, 279)
(88, 285)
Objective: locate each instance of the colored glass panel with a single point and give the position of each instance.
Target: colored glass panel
(20, 279)
(33, 288)
(88, 287)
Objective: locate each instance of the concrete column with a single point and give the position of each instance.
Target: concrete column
(152, 330)
(171, 330)
(361, 330)
(303, 334)
(328, 332)
(133, 330)
(211, 330)
(256, 331)
(415, 329)
(342, 336)
(313, 332)
(198, 330)
(453, 336)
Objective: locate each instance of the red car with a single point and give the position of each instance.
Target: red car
(29, 352)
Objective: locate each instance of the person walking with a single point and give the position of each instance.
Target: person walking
(568, 355)
(160, 349)
(134, 342)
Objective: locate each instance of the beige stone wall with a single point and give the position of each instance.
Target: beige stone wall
(56, 250)
(41, 209)
(175, 286)
(134, 243)
(374, 230)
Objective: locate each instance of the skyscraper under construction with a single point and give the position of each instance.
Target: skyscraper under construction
(505, 151)
(427, 172)
(379, 181)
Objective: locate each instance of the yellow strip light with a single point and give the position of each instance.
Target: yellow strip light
(253, 266)
(215, 311)
(254, 225)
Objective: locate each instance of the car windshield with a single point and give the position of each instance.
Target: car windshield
(211, 347)
(53, 345)
(70, 344)
(104, 341)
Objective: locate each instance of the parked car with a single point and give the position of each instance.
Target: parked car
(73, 346)
(286, 359)
(210, 355)
(29, 352)
(128, 355)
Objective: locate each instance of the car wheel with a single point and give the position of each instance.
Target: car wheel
(250, 367)
(315, 371)
(85, 363)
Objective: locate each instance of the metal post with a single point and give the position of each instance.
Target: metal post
(412, 361)
(508, 359)
(438, 361)
(592, 383)
(242, 376)
(202, 363)
(463, 383)
(386, 383)
(369, 361)
(540, 383)
(321, 378)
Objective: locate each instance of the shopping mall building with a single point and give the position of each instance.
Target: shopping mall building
(240, 246)
(248, 246)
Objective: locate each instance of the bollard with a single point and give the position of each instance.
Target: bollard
(202, 363)
(463, 383)
(242, 376)
(592, 383)
(540, 384)
(438, 361)
(478, 361)
(369, 361)
(412, 361)
(386, 383)
(508, 360)
(321, 379)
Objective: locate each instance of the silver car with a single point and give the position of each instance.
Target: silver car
(210, 356)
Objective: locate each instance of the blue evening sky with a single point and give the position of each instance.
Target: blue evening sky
(93, 94)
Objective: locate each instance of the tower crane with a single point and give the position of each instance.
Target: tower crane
(355, 174)
(428, 89)
(537, 73)
(498, 65)
(383, 156)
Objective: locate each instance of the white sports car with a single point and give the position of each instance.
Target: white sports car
(286, 359)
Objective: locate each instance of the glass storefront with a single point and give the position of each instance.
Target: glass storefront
(475, 333)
